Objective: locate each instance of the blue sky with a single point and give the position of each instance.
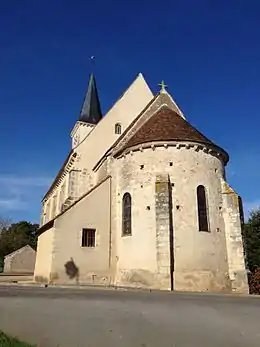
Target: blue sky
(208, 53)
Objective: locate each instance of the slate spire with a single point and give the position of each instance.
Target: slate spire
(91, 110)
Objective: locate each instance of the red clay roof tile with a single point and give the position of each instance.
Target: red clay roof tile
(166, 125)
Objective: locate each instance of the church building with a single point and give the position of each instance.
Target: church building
(141, 201)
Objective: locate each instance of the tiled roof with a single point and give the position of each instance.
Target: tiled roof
(166, 125)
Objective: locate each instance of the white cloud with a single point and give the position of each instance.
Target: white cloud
(18, 193)
(12, 204)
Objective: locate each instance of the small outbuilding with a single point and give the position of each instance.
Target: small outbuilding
(20, 261)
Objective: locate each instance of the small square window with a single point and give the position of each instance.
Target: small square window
(88, 238)
(141, 167)
(171, 163)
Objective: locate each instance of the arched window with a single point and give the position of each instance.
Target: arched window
(202, 209)
(118, 129)
(127, 215)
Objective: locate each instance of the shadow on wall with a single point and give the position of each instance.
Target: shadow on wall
(72, 270)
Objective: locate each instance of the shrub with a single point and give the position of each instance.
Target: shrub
(7, 341)
(1, 265)
(254, 282)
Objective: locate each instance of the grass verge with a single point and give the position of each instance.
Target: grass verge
(7, 341)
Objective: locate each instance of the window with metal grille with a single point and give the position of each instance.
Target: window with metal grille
(127, 215)
(202, 209)
(88, 238)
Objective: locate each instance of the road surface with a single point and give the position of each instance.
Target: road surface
(51, 317)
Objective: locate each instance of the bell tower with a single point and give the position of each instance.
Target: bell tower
(90, 114)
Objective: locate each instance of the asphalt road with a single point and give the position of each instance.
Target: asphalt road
(51, 317)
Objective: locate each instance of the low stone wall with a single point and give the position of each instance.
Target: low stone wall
(13, 278)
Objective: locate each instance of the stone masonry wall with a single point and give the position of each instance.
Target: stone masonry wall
(235, 251)
(163, 230)
(93, 263)
(44, 256)
(200, 258)
(21, 261)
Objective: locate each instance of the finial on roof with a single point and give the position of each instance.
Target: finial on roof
(91, 110)
(163, 86)
(92, 59)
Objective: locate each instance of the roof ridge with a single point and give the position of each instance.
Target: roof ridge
(126, 130)
(126, 90)
(19, 249)
(166, 125)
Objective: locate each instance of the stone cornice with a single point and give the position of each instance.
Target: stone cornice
(210, 149)
(63, 171)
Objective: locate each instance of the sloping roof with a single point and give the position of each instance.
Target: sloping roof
(91, 110)
(126, 131)
(50, 223)
(19, 250)
(167, 125)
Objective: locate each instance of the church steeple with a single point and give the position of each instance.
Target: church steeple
(91, 110)
(90, 114)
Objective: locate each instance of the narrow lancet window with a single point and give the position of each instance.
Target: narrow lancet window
(127, 215)
(202, 209)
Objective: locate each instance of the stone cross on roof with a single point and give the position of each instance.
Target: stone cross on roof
(163, 86)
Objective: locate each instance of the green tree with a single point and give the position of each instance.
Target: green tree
(4, 224)
(16, 236)
(251, 234)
